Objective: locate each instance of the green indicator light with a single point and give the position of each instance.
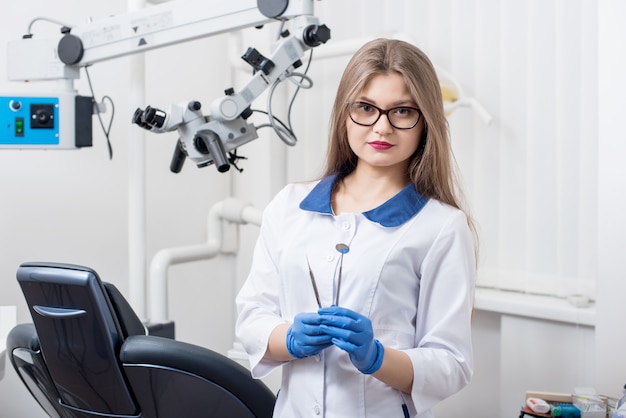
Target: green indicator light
(19, 126)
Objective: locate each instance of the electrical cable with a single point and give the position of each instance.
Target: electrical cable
(285, 133)
(45, 19)
(269, 125)
(106, 130)
(306, 71)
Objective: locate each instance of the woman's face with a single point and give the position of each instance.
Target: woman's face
(381, 145)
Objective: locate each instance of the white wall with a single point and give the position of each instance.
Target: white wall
(611, 369)
(542, 69)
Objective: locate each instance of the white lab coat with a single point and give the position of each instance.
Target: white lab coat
(413, 278)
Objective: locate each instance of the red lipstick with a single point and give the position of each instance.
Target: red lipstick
(380, 145)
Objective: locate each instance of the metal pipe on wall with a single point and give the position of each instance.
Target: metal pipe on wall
(230, 209)
(137, 185)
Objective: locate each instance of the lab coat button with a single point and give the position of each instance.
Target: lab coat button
(317, 409)
(330, 257)
(346, 225)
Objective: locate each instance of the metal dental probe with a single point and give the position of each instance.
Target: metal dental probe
(343, 249)
(317, 295)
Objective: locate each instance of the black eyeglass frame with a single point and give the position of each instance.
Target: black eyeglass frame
(384, 112)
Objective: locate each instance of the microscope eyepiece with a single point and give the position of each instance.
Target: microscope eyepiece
(316, 35)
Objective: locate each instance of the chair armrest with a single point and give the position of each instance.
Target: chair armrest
(23, 336)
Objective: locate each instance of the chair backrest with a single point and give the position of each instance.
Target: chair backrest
(89, 357)
(79, 337)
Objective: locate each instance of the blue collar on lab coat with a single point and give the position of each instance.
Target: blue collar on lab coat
(394, 212)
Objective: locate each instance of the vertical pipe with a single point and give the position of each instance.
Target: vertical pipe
(136, 185)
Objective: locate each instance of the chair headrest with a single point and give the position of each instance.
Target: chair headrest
(126, 316)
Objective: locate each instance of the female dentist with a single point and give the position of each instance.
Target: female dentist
(361, 284)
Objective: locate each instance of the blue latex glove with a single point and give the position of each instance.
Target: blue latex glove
(304, 336)
(353, 333)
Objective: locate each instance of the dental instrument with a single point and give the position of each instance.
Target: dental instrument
(317, 294)
(343, 249)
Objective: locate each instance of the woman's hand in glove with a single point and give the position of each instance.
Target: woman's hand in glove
(353, 333)
(305, 337)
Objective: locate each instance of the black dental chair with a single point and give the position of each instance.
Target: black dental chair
(87, 355)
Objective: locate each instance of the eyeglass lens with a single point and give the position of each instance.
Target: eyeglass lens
(401, 117)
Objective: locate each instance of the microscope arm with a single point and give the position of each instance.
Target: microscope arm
(209, 139)
(205, 139)
(60, 57)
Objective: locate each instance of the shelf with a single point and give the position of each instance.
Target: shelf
(574, 310)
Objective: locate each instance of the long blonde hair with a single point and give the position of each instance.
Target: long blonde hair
(432, 168)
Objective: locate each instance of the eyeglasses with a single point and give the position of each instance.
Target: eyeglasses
(401, 117)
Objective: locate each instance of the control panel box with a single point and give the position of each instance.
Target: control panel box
(63, 121)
